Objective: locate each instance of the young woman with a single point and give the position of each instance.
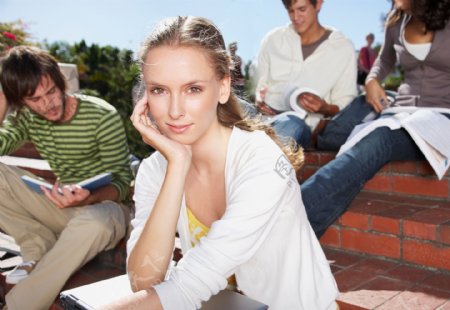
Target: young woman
(417, 33)
(218, 180)
(418, 37)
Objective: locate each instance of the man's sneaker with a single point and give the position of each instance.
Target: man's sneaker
(20, 272)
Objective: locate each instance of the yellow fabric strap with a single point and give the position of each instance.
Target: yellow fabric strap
(196, 228)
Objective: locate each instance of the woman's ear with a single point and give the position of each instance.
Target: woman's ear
(225, 90)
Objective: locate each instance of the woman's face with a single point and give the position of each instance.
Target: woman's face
(404, 5)
(183, 92)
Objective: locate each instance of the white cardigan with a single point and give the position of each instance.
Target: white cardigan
(264, 237)
(330, 71)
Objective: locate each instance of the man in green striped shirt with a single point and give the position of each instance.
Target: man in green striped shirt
(80, 137)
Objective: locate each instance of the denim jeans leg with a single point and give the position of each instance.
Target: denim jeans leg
(291, 126)
(339, 128)
(328, 193)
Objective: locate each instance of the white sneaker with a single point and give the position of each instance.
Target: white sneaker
(20, 272)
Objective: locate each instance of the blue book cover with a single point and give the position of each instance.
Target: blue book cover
(90, 184)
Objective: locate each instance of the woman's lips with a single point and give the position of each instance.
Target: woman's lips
(178, 128)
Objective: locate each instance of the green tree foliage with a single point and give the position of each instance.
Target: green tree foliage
(109, 73)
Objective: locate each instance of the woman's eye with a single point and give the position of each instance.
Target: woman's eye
(194, 89)
(157, 91)
(52, 91)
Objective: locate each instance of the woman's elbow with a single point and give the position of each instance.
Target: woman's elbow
(142, 282)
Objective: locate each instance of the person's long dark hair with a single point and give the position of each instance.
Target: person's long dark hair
(434, 14)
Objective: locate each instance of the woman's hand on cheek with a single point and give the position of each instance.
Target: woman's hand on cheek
(140, 107)
(142, 123)
(173, 151)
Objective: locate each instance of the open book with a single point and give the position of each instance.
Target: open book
(428, 128)
(89, 184)
(290, 96)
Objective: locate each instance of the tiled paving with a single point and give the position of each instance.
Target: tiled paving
(370, 283)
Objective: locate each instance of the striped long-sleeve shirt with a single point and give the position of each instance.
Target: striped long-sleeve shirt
(92, 142)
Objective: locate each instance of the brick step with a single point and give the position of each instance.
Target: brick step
(404, 229)
(405, 178)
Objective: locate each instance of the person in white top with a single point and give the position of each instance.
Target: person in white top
(232, 175)
(306, 64)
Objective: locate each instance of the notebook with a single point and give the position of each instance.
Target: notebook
(91, 296)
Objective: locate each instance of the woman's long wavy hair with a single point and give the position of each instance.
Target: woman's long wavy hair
(202, 34)
(435, 14)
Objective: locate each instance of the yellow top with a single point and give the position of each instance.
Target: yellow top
(198, 230)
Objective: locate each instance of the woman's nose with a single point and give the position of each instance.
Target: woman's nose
(176, 109)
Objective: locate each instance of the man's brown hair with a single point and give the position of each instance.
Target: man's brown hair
(22, 69)
(288, 3)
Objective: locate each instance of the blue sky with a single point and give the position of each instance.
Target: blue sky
(125, 23)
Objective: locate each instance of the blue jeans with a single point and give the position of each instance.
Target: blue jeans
(341, 125)
(291, 126)
(286, 126)
(328, 193)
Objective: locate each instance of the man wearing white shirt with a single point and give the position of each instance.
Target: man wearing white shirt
(304, 64)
